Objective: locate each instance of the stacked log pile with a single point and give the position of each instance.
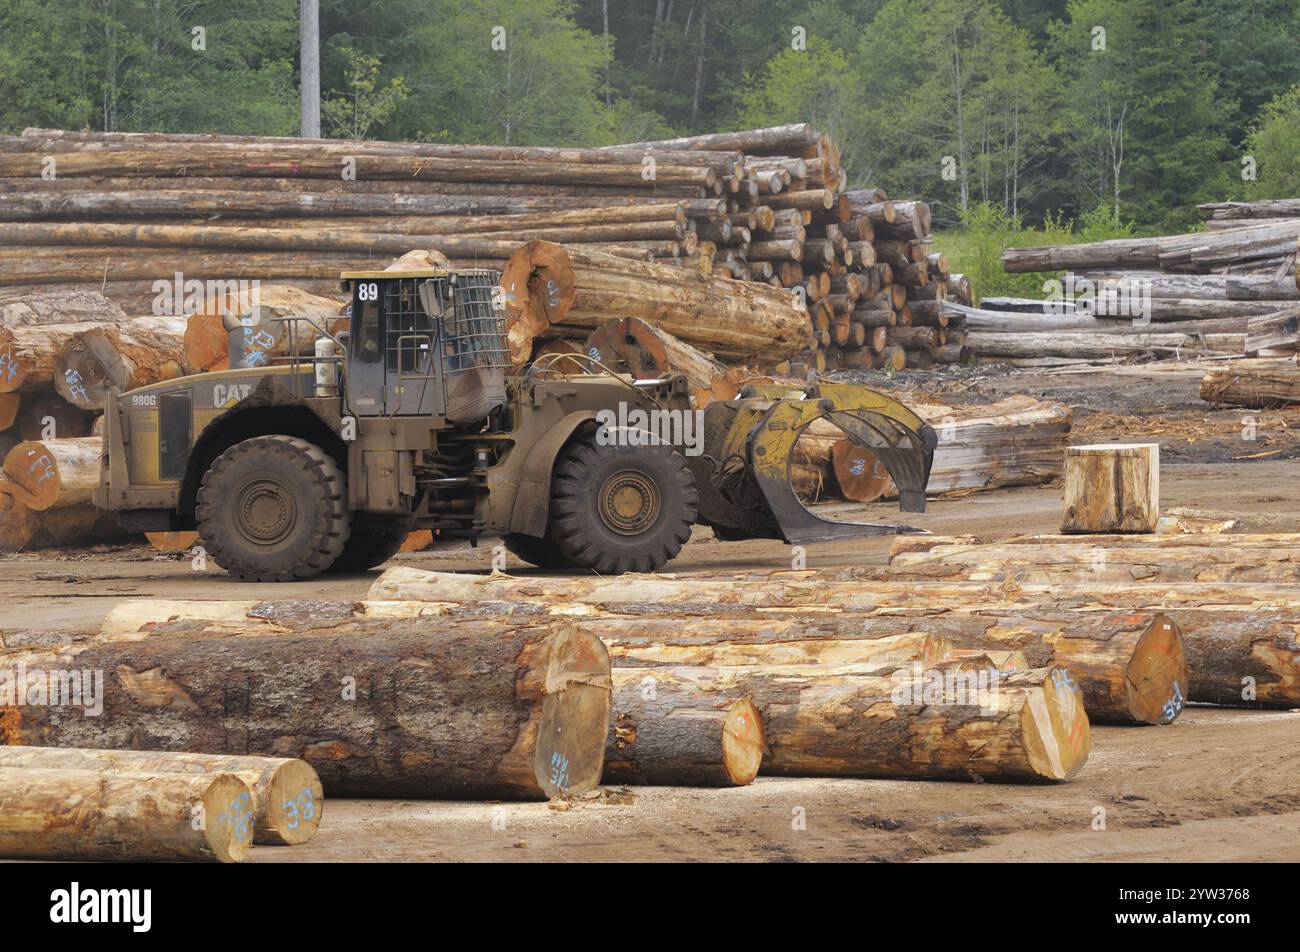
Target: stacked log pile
(712, 703)
(117, 211)
(1228, 290)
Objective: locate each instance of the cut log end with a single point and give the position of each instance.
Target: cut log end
(292, 803)
(1056, 729)
(1156, 679)
(742, 742)
(570, 752)
(228, 818)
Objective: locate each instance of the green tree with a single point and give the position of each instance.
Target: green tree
(505, 71)
(814, 85)
(959, 102)
(1274, 143)
(363, 102)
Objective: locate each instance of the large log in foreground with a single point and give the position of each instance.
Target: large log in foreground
(548, 285)
(160, 817)
(402, 712)
(287, 804)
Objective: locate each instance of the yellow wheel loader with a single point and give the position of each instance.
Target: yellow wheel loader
(412, 418)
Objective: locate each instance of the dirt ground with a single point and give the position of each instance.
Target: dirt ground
(1216, 785)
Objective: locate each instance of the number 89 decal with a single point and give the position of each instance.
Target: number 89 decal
(368, 292)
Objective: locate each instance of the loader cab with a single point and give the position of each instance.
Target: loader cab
(425, 343)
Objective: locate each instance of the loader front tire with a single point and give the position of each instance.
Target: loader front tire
(273, 509)
(617, 509)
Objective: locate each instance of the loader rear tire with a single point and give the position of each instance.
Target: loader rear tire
(273, 509)
(367, 548)
(543, 553)
(617, 509)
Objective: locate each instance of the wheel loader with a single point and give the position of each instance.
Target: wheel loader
(412, 417)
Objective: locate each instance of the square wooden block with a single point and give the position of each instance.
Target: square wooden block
(1112, 487)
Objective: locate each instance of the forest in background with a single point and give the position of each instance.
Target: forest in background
(1114, 115)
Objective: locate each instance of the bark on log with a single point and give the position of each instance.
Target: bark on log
(630, 345)
(60, 307)
(84, 815)
(548, 285)
(401, 712)
(1034, 562)
(288, 801)
(29, 353)
(261, 319)
(820, 723)
(1277, 331)
(1113, 487)
(1260, 384)
(121, 356)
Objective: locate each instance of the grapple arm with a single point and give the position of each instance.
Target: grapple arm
(744, 474)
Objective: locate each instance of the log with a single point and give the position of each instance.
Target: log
(56, 307)
(667, 732)
(930, 589)
(820, 723)
(231, 160)
(1130, 666)
(17, 522)
(29, 353)
(45, 413)
(782, 141)
(1031, 345)
(287, 800)
(85, 815)
(630, 345)
(123, 356)
(402, 712)
(1093, 560)
(44, 474)
(210, 237)
(261, 319)
(549, 285)
(1112, 487)
(1277, 331)
(1260, 384)
(1168, 252)
(911, 221)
